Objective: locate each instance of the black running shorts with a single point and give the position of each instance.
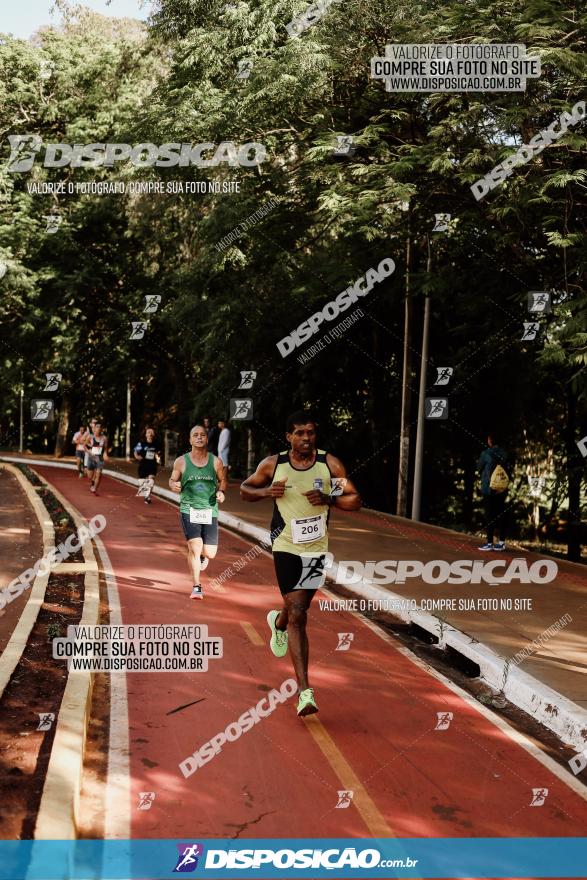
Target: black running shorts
(296, 572)
(208, 532)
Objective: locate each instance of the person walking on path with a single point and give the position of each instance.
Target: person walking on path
(223, 443)
(493, 469)
(78, 441)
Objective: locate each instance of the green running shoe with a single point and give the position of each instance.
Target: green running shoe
(278, 643)
(306, 703)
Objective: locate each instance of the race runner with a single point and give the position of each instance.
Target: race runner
(78, 441)
(198, 477)
(148, 454)
(96, 454)
(304, 483)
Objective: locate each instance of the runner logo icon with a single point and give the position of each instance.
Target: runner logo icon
(539, 795)
(540, 301)
(152, 303)
(344, 641)
(241, 409)
(41, 410)
(441, 222)
(23, 151)
(444, 719)
(52, 381)
(313, 574)
(46, 719)
(531, 329)
(444, 375)
(189, 854)
(436, 408)
(138, 329)
(247, 379)
(344, 800)
(146, 799)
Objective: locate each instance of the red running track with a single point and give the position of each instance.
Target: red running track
(375, 733)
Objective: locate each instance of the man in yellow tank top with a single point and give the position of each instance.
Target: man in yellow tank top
(304, 482)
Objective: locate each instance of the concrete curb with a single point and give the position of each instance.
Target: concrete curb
(560, 715)
(557, 713)
(58, 816)
(36, 595)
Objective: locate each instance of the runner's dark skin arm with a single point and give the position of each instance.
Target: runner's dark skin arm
(350, 498)
(259, 485)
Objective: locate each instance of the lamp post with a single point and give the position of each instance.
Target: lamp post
(404, 440)
(419, 457)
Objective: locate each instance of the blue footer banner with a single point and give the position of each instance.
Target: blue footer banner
(304, 858)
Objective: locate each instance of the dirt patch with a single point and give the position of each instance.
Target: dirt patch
(36, 687)
(21, 544)
(30, 704)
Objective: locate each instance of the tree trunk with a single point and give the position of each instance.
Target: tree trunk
(63, 426)
(469, 493)
(250, 452)
(574, 476)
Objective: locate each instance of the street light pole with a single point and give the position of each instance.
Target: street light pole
(21, 428)
(404, 440)
(128, 422)
(419, 456)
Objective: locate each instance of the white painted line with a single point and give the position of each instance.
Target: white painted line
(553, 710)
(10, 657)
(118, 784)
(576, 785)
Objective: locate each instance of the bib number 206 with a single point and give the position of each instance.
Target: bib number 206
(309, 529)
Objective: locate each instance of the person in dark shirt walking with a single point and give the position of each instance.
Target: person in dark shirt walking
(148, 453)
(493, 469)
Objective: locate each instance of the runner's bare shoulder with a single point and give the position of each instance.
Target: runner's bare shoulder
(179, 464)
(266, 467)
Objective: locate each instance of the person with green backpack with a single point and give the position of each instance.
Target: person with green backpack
(495, 480)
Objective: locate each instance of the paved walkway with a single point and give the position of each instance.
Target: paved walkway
(377, 733)
(370, 535)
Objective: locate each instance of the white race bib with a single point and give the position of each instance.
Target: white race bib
(96, 450)
(309, 529)
(204, 516)
(149, 454)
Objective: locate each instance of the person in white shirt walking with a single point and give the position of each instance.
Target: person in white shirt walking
(223, 442)
(80, 448)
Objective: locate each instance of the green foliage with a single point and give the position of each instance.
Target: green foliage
(69, 298)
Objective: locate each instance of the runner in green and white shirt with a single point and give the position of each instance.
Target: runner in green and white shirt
(198, 477)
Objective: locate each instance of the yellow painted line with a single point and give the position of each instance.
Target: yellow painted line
(349, 779)
(58, 816)
(252, 633)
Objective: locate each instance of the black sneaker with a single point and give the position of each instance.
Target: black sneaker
(197, 592)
